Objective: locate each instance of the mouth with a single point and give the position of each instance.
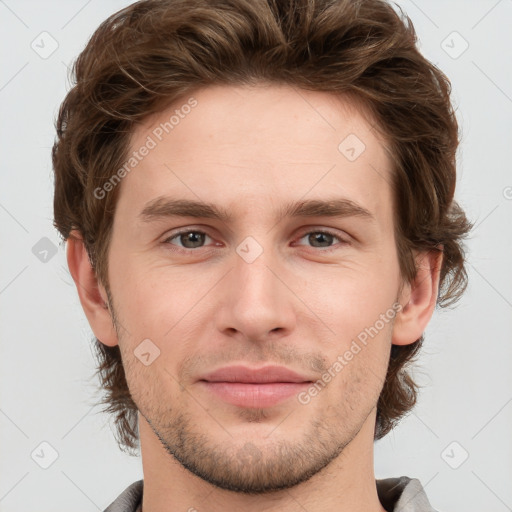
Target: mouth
(254, 388)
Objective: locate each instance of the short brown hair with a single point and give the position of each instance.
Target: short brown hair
(146, 56)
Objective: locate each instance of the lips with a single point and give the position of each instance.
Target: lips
(254, 388)
(263, 375)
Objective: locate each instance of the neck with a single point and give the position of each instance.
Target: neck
(346, 484)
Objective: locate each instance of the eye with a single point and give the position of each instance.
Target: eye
(188, 239)
(322, 239)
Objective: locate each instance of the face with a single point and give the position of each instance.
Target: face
(287, 260)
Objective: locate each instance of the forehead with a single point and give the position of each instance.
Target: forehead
(223, 114)
(251, 145)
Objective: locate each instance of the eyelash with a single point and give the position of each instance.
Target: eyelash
(316, 231)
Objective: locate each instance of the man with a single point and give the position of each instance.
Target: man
(258, 202)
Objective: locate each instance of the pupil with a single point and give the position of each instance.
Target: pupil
(192, 239)
(320, 237)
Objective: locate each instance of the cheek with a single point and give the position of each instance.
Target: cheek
(357, 306)
(352, 299)
(163, 304)
(358, 370)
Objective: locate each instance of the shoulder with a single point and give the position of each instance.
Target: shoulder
(129, 500)
(403, 494)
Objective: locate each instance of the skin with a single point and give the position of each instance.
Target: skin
(300, 304)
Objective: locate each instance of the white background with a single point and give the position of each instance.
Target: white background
(48, 392)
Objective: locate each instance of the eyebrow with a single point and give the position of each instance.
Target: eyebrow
(163, 207)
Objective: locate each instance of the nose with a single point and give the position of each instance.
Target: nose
(257, 303)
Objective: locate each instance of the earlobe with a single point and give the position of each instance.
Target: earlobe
(92, 294)
(418, 299)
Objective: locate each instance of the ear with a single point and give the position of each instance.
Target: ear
(91, 292)
(418, 299)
